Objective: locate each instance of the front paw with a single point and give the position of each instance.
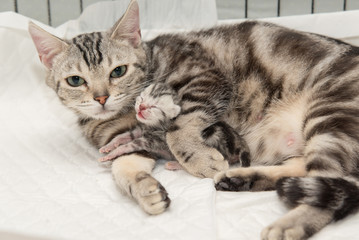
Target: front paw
(115, 153)
(206, 163)
(121, 139)
(117, 141)
(136, 145)
(242, 179)
(150, 194)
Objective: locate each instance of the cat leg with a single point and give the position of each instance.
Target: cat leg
(132, 174)
(136, 145)
(205, 94)
(317, 201)
(121, 139)
(300, 223)
(259, 178)
(330, 191)
(187, 145)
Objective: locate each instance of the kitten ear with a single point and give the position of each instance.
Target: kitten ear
(174, 111)
(47, 45)
(128, 26)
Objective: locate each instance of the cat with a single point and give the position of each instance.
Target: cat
(156, 107)
(293, 97)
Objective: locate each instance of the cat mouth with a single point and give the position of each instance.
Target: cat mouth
(103, 112)
(141, 111)
(140, 115)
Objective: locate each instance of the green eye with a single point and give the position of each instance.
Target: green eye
(75, 81)
(119, 71)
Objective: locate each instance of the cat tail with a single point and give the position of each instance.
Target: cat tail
(339, 195)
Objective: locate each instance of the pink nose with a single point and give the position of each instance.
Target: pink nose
(102, 100)
(142, 107)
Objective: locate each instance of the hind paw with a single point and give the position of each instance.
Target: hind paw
(276, 232)
(242, 179)
(298, 224)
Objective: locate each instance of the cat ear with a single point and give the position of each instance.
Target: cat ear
(128, 26)
(174, 111)
(47, 45)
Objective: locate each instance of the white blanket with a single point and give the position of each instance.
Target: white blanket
(51, 185)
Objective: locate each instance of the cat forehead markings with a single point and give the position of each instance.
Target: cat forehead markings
(90, 46)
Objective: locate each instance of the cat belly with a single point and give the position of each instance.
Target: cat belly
(279, 135)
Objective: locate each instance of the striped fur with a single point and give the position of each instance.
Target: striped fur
(156, 108)
(293, 96)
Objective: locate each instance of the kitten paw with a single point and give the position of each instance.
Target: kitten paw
(121, 139)
(138, 144)
(242, 179)
(150, 194)
(115, 153)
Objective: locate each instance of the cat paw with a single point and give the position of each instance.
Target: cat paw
(242, 179)
(205, 164)
(119, 151)
(112, 155)
(150, 194)
(281, 232)
(292, 226)
(121, 139)
(234, 184)
(299, 223)
(117, 141)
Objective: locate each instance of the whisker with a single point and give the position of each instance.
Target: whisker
(82, 105)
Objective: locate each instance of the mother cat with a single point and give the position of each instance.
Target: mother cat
(293, 96)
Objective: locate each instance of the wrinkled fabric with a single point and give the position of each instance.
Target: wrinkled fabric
(51, 185)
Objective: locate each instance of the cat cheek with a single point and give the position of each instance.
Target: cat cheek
(137, 104)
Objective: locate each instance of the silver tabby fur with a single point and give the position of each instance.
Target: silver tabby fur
(293, 96)
(156, 109)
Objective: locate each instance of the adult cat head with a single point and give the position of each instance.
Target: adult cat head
(96, 74)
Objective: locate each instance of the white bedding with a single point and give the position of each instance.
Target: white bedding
(51, 185)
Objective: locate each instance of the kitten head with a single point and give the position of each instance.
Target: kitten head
(99, 74)
(156, 105)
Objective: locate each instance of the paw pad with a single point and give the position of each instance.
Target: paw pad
(233, 184)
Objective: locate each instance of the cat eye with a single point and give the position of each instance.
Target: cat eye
(75, 81)
(119, 71)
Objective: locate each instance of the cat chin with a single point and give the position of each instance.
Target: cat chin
(146, 121)
(104, 114)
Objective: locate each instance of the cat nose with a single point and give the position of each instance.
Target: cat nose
(102, 99)
(142, 107)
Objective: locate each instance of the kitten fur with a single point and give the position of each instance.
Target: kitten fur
(156, 108)
(293, 96)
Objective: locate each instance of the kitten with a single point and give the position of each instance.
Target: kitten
(287, 93)
(156, 108)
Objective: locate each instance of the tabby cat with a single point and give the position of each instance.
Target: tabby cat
(156, 108)
(293, 96)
